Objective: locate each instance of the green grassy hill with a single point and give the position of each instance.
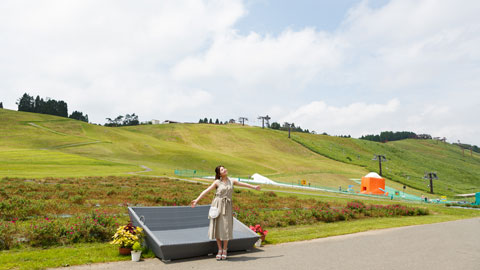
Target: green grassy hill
(407, 162)
(36, 145)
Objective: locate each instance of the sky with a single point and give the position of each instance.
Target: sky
(342, 67)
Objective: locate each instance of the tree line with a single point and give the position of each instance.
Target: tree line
(210, 121)
(50, 106)
(388, 136)
(127, 120)
(286, 126)
(467, 146)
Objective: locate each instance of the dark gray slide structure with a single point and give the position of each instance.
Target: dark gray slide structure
(178, 232)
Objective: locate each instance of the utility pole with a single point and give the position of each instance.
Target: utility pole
(380, 158)
(242, 119)
(431, 176)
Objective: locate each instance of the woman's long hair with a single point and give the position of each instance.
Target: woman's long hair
(217, 172)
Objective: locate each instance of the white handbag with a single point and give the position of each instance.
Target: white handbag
(213, 212)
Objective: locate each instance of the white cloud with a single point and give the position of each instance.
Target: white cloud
(108, 58)
(353, 119)
(414, 62)
(286, 62)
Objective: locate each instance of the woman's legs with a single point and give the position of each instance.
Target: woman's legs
(225, 247)
(225, 244)
(219, 245)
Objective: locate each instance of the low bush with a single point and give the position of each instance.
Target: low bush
(8, 234)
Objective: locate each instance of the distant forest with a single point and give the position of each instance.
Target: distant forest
(466, 146)
(293, 128)
(388, 136)
(28, 103)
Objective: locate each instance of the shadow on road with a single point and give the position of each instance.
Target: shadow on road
(232, 256)
(247, 258)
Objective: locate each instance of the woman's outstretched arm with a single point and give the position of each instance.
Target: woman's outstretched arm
(212, 186)
(238, 183)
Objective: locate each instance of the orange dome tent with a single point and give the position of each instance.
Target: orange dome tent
(373, 183)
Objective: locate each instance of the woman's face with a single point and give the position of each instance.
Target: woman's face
(223, 171)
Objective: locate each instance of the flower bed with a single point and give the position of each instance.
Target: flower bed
(96, 227)
(31, 210)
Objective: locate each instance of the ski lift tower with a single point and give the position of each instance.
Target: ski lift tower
(430, 176)
(380, 158)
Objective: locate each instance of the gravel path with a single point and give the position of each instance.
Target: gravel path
(448, 245)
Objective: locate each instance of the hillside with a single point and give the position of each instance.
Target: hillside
(407, 160)
(36, 145)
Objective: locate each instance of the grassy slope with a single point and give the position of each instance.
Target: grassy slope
(407, 161)
(55, 146)
(36, 145)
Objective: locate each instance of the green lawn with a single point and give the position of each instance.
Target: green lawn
(37, 145)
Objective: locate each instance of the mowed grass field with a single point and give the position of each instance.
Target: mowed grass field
(407, 161)
(37, 145)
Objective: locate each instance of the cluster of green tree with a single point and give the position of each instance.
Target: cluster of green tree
(207, 121)
(387, 136)
(468, 147)
(286, 126)
(343, 136)
(28, 103)
(127, 120)
(79, 116)
(48, 106)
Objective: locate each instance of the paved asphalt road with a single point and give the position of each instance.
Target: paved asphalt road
(448, 245)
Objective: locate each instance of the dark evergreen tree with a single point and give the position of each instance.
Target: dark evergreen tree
(200, 121)
(1, 105)
(275, 125)
(216, 122)
(386, 136)
(205, 120)
(79, 116)
(210, 121)
(26, 103)
(39, 105)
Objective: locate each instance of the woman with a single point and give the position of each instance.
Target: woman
(221, 227)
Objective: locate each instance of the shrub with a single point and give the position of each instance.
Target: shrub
(8, 234)
(270, 194)
(64, 195)
(98, 227)
(20, 208)
(44, 233)
(77, 199)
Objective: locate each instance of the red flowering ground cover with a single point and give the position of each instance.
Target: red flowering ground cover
(51, 211)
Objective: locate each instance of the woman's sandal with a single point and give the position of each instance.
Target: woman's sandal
(224, 254)
(219, 255)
